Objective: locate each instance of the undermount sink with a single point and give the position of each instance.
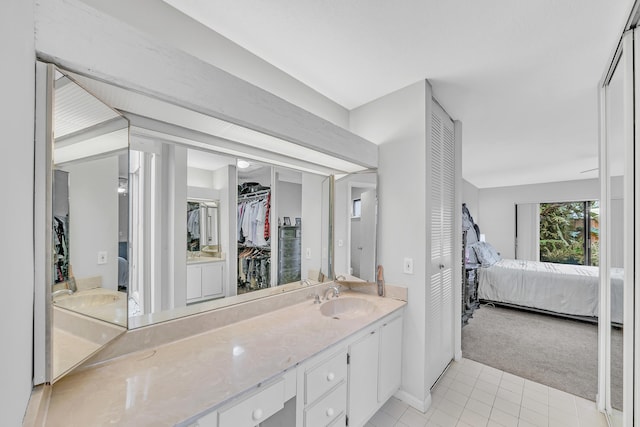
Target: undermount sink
(347, 308)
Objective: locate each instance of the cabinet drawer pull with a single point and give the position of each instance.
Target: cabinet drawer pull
(330, 376)
(330, 412)
(257, 414)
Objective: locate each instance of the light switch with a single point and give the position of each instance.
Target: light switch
(102, 257)
(340, 243)
(308, 253)
(407, 266)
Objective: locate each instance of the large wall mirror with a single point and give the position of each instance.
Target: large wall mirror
(152, 221)
(90, 222)
(356, 206)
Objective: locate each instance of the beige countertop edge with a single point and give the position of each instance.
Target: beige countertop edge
(187, 378)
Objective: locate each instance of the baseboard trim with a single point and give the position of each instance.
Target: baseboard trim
(414, 402)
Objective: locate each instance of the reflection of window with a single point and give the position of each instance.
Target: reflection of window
(356, 208)
(569, 232)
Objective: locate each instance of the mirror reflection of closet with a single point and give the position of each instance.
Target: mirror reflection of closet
(288, 210)
(255, 227)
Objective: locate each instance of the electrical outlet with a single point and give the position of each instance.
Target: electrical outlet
(407, 266)
(102, 257)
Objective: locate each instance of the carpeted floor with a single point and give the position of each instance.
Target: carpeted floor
(557, 352)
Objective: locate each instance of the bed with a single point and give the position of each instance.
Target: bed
(571, 290)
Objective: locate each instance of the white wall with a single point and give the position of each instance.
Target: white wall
(197, 177)
(397, 123)
(289, 201)
(16, 110)
(93, 219)
(470, 196)
(496, 215)
(311, 218)
(194, 38)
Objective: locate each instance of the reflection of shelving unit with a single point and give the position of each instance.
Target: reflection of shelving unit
(289, 254)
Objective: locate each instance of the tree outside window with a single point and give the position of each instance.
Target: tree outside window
(569, 232)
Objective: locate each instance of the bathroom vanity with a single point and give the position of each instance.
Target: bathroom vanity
(302, 365)
(205, 278)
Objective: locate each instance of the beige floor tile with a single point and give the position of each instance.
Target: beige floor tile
(473, 418)
(395, 408)
(456, 397)
(534, 417)
(413, 418)
(461, 387)
(507, 406)
(443, 419)
(382, 419)
(483, 396)
(503, 418)
(479, 407)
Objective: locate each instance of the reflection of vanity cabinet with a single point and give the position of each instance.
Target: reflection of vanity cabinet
(289, 247)
(205, 280)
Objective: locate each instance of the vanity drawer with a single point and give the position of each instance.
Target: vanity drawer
(328, 409)
(255, 408)
(325, 376)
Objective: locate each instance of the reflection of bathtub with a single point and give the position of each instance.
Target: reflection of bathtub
(100, 303)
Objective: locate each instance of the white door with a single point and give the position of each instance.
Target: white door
(441, 186)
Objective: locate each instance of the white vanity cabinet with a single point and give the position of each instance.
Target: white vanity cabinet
(375, 368)
(322, 389)
(255, 407)
(347, 384)
(343, 385)
(205, 280)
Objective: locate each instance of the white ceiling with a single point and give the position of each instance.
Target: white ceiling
(521, 76)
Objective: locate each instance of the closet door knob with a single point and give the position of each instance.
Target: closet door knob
(330, 376)
(330, 412)
(441, 266)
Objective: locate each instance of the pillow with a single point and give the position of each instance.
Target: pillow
(486, 254)
(470, 253)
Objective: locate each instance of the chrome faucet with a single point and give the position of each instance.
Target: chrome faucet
(61, 292)
(335, 289)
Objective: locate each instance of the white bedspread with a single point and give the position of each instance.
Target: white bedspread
(562, 288)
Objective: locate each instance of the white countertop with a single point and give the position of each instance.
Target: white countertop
(171, 383)
(203, 259)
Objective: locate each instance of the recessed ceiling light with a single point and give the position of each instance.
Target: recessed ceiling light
(243, 164)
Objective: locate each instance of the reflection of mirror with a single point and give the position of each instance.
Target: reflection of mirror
(618, 231)
(355, 226)
(162, 136)
(90, 225)
(252, 251)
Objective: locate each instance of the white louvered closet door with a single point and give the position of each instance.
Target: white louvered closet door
(441, 187)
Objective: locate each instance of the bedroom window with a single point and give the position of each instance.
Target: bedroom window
(569, 232)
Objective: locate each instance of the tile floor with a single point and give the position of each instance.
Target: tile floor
(471, 394)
